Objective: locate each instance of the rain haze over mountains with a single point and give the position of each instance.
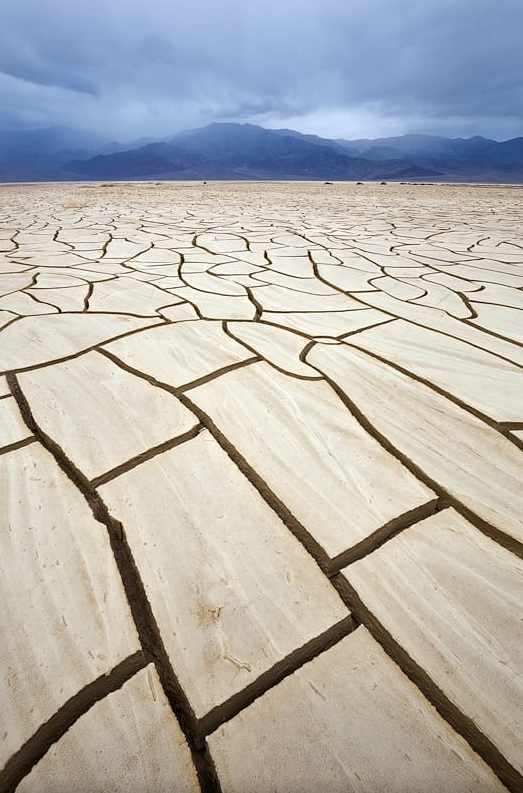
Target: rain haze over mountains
(96, 90)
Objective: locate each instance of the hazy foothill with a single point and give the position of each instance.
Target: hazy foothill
(248, 151)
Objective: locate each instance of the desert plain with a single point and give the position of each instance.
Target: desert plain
(261, 488)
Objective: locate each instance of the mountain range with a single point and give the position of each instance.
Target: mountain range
(250, 152)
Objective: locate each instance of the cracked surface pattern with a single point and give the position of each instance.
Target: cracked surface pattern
(261, 463)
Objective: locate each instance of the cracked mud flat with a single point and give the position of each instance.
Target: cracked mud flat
(261, 488)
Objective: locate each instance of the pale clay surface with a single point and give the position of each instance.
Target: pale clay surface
(239, 593)
(492, 386)
(259, 408)
(213, 398)
(98, 412)
(12, 426)
(352, 713)
(439, 561)
(61, 587)
(180, 353)
(424, 426)
(138, 715)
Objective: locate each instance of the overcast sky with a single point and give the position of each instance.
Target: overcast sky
(341, 68)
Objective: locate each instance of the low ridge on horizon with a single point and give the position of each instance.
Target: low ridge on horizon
(233, 150)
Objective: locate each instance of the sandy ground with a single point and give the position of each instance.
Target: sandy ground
(261, 493)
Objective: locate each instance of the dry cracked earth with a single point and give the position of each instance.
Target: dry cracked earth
(261, 494)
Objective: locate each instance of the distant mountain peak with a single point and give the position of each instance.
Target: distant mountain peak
(242, 150)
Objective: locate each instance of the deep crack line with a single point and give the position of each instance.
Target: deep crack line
(460, 722)
(21, 762)
(144, 619)
(282, 669)
(149, 454)
(445, 498)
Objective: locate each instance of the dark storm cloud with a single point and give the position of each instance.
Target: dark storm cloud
(341, 66)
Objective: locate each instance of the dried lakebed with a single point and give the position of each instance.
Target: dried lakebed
(261, 488)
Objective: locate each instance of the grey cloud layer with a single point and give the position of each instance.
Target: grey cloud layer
(156, 66)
